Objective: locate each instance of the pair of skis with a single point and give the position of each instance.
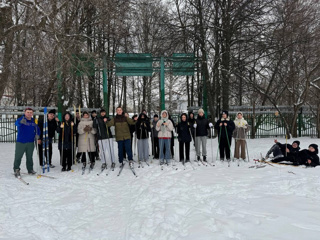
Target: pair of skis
(131, 168)
(45, 143)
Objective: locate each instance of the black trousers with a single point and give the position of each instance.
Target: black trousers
(66, 158)
(155, 147)
(91, 157)
(224, 147)
(184, 146)
(41, 153)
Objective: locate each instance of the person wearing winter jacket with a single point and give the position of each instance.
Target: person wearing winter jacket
(191, 121)
(28, 133)
(164, 127)
(123, 135)
(105, 141)
(225, 127)
(155, 139)
(184, 137)
(142, 129)
(172, 136)
(201, 127)
(239, 135)
(307, 157)
(94, 116)
(87, 140)
(52, 128)
(283, 150)
(65, 144)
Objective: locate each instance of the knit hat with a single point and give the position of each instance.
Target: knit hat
(53, 111)
(225, 112)
(315, 146)
(297, 142)
(155, 116)
(200, 111)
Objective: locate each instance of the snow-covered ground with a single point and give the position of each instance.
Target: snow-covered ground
(206, 203)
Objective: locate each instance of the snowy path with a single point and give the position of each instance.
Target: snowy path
(206, 203)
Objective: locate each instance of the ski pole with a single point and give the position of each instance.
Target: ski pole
(62, 140)
(211, 131)
(219, 139)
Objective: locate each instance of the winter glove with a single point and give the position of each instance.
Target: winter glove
(87, 128)
(210, 125)
(195, 125)
(23, 121)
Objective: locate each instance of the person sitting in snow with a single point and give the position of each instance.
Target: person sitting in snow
(283, 150)
(307, 157)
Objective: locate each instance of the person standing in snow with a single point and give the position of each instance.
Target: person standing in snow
(65, 146)
(52, 127)
(201, 126)
(105, 141)
(164, 127)
(142, 129)
(225, 127)
(122, 132)
(191, 121)
(87, 140)
(28, 134)
(184, 138)
(239, 135)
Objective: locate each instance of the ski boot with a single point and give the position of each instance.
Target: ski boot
(131, 163)
(113, 165)
(84, 166)
(205, 158)
(92, 165)
(17, 173)
(32, 172)
(198, 158)
(103, 166)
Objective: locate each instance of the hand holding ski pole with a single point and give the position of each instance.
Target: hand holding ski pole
(62, 125)
(210, 125)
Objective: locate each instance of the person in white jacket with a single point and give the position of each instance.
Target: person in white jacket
(86, 142)
(164, 127)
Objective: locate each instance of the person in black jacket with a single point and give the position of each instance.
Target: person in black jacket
(142, 129)
(306, 157)
(155, 139)
(105, 141)
(201, 126)
(184, 137)
(52, 127)
(283, 150)
(94, 117)
(65, 144)
(224, 127)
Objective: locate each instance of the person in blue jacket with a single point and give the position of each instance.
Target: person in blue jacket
(28, 133)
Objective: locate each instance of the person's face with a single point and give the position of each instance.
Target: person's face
(85, 115)
(145, 112)
(94, 114)
(67, 117)
(77, 115)
(311, 149)
(224, 115)
(50, 116)
(201, 114)
(119, 111)
(142, 116)
(294, 145)
(28, 114)
(164, 115)
(156, 118)
(191, 115)
(239, 116)
(103, 114)
(184, 118)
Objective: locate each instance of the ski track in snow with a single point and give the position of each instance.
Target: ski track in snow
(218, 202)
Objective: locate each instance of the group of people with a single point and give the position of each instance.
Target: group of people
(92, 137)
